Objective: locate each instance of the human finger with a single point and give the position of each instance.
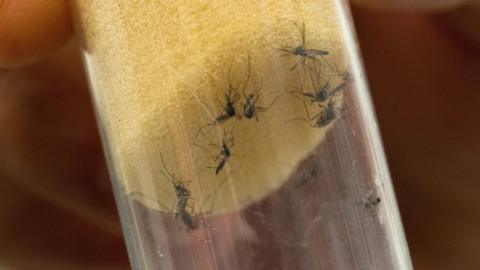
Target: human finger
(30, 29)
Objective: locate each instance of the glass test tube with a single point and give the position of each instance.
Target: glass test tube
(240, 135)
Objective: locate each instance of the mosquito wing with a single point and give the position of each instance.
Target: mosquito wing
(313, 52)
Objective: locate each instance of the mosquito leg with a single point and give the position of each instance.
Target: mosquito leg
(302, 61)
(301, 31)
(233, 142)
(339, 88)
(212, 156)
(305, 64)
(304, 120)
(330, 66)
(200, 130)
(307, 112)
(219, 103)
(248, 78)
(213, 196)
(288, 50)
(208, 140)
(257, 90)
(191, 205)
(303, 34)
(143, 196)
(164, 165)
(265, 109)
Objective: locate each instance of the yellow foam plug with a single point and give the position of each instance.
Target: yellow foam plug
(160, 71)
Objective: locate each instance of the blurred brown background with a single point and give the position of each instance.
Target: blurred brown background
(424, 78)
(56, 207)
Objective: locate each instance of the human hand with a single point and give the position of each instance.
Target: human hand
(57, 209)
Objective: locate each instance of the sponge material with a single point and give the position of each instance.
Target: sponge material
(160, 71)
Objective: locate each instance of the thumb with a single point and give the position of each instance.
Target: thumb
(29, 29)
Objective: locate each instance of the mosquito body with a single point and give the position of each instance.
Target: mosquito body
(224, 152)
(184, 204)
(324, 117)
(183, 210)
(321, 92)
(317, 96)
(301, 51)
(372, 202)
(229, 105)
(251, 110)
(324, 93)
(183, 197)
(232, 97)
(223, 156)
(250, 107)
(327, 115)
(229, 109)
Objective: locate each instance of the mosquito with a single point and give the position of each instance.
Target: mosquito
(224, 151)
(184, 204)
(301, 51)
(229, 107)
(372, 202)
(324, 117)
(232, 97)
(250, 107)
(324, 92)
